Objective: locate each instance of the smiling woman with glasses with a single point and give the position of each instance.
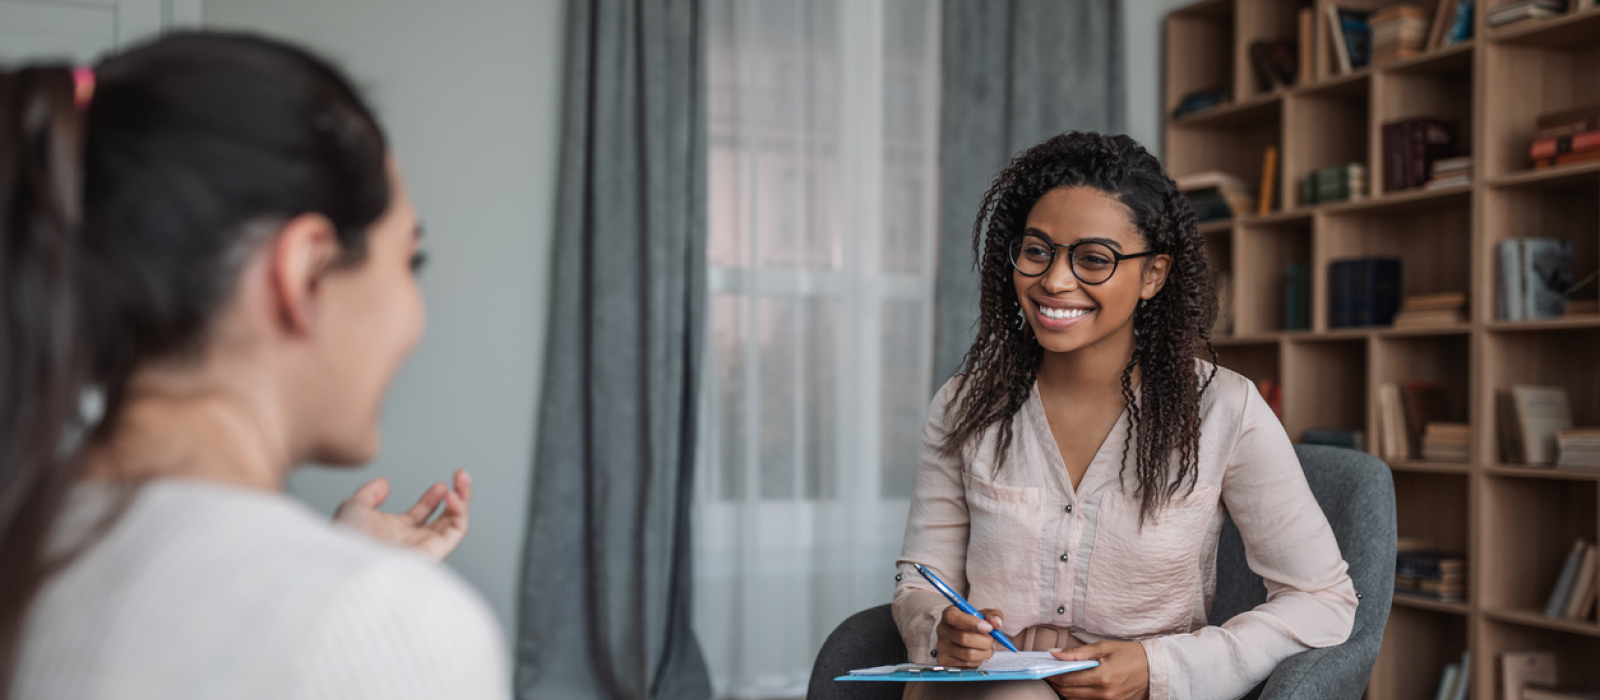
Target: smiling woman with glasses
(1075, 474)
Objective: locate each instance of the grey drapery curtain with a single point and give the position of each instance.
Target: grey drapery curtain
(606, 575)
(1015, 73)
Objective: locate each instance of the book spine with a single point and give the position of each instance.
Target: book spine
(1339, 294)
(1393, 158)
(1385, 291)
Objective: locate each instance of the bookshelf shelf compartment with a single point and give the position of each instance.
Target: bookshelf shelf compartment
(1267, 251)
(1256, 362)
(1558, 357)
(1576, 30)
(1534, 80)
(1535, 618)
(1500, 632)
(1564, 177)
(1418, 642)
(1530, 526)
(1318, 381)
(1325, 128)
(1432, 509)
(1448, 60)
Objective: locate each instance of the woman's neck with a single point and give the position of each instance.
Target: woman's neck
(1092, 372)
(194, 424)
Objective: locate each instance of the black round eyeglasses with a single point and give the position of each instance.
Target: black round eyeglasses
(1092, 262)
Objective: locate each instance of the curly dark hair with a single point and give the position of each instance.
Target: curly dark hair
(998, 372)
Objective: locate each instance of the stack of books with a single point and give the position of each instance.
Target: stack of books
(1573, 597)
(1568, 136)
(1429, 573)
(1412, 146)
(1534, 276)
(1334, 184)
(1450, 172)
(1578, 447)
(1446, 442)
(1524, 9)
(1398, 31)
(1201, 100)
(1530, 419)
(1218, 195)
(1431, 310)
(1363, 292)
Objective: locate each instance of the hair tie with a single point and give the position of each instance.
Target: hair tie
(83, 85)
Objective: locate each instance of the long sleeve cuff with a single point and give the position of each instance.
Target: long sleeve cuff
(1156, 659)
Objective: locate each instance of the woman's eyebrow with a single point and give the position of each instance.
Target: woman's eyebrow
(1107, 242)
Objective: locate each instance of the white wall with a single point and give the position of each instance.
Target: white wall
(469, 91)
(1141, 41)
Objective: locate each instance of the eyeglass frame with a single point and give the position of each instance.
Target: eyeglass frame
(1116, 258)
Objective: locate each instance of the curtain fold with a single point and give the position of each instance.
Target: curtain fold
(1015, 73)
(606, 592)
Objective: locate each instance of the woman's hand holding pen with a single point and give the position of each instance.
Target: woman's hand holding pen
(964, 640)
(1123, 673)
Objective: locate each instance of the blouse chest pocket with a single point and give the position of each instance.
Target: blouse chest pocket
(1003, 540)
(1143, 581)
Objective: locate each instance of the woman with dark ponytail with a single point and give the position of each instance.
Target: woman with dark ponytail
(207, 262)
(1075, 473)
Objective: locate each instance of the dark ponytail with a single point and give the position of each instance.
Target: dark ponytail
(123, 229)
(43, 361)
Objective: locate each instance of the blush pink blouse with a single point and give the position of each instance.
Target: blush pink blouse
(1022, 540)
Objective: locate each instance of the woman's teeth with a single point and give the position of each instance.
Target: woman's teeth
(1061, 314)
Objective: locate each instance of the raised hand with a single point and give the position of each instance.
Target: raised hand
(413, 529)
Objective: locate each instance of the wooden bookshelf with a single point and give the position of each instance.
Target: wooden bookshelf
(1515, 523)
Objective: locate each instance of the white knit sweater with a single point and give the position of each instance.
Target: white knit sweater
(205, 591)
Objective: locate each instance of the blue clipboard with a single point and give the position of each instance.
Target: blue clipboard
(905, 673)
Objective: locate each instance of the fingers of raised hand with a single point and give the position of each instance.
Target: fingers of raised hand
(463, 484)
(427, 503)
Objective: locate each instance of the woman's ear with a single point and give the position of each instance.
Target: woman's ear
(301, 255)
(1155, 275)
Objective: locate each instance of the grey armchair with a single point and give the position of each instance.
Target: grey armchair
(1356, 492)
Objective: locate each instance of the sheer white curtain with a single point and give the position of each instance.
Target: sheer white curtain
(823, 120)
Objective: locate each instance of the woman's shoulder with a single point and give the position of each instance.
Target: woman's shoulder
(1225, 389)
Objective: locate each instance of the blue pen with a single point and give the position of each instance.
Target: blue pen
(962, 604)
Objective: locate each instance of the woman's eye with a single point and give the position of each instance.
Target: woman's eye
(1095, 260)
(1037, 252)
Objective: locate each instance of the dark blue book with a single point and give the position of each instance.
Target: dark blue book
(1297, 297)
(1339, 286)
(1357, 36)
(1363, 292)
(1349, 439)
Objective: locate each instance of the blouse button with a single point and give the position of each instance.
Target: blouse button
(1061, 610)
(1069, 508)
(897, 577)
(1063, 557)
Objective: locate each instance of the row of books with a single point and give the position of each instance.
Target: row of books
(1217, 195)
(1577, 586)
(1455, 681)
(1536, 428)
(1337, 183)
(1532, 675)
(1414, 415)
(1423, 572)
(1565, 137)
(1363, 292)
(1360, 37)
(1534, 278)
(1413, 147)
